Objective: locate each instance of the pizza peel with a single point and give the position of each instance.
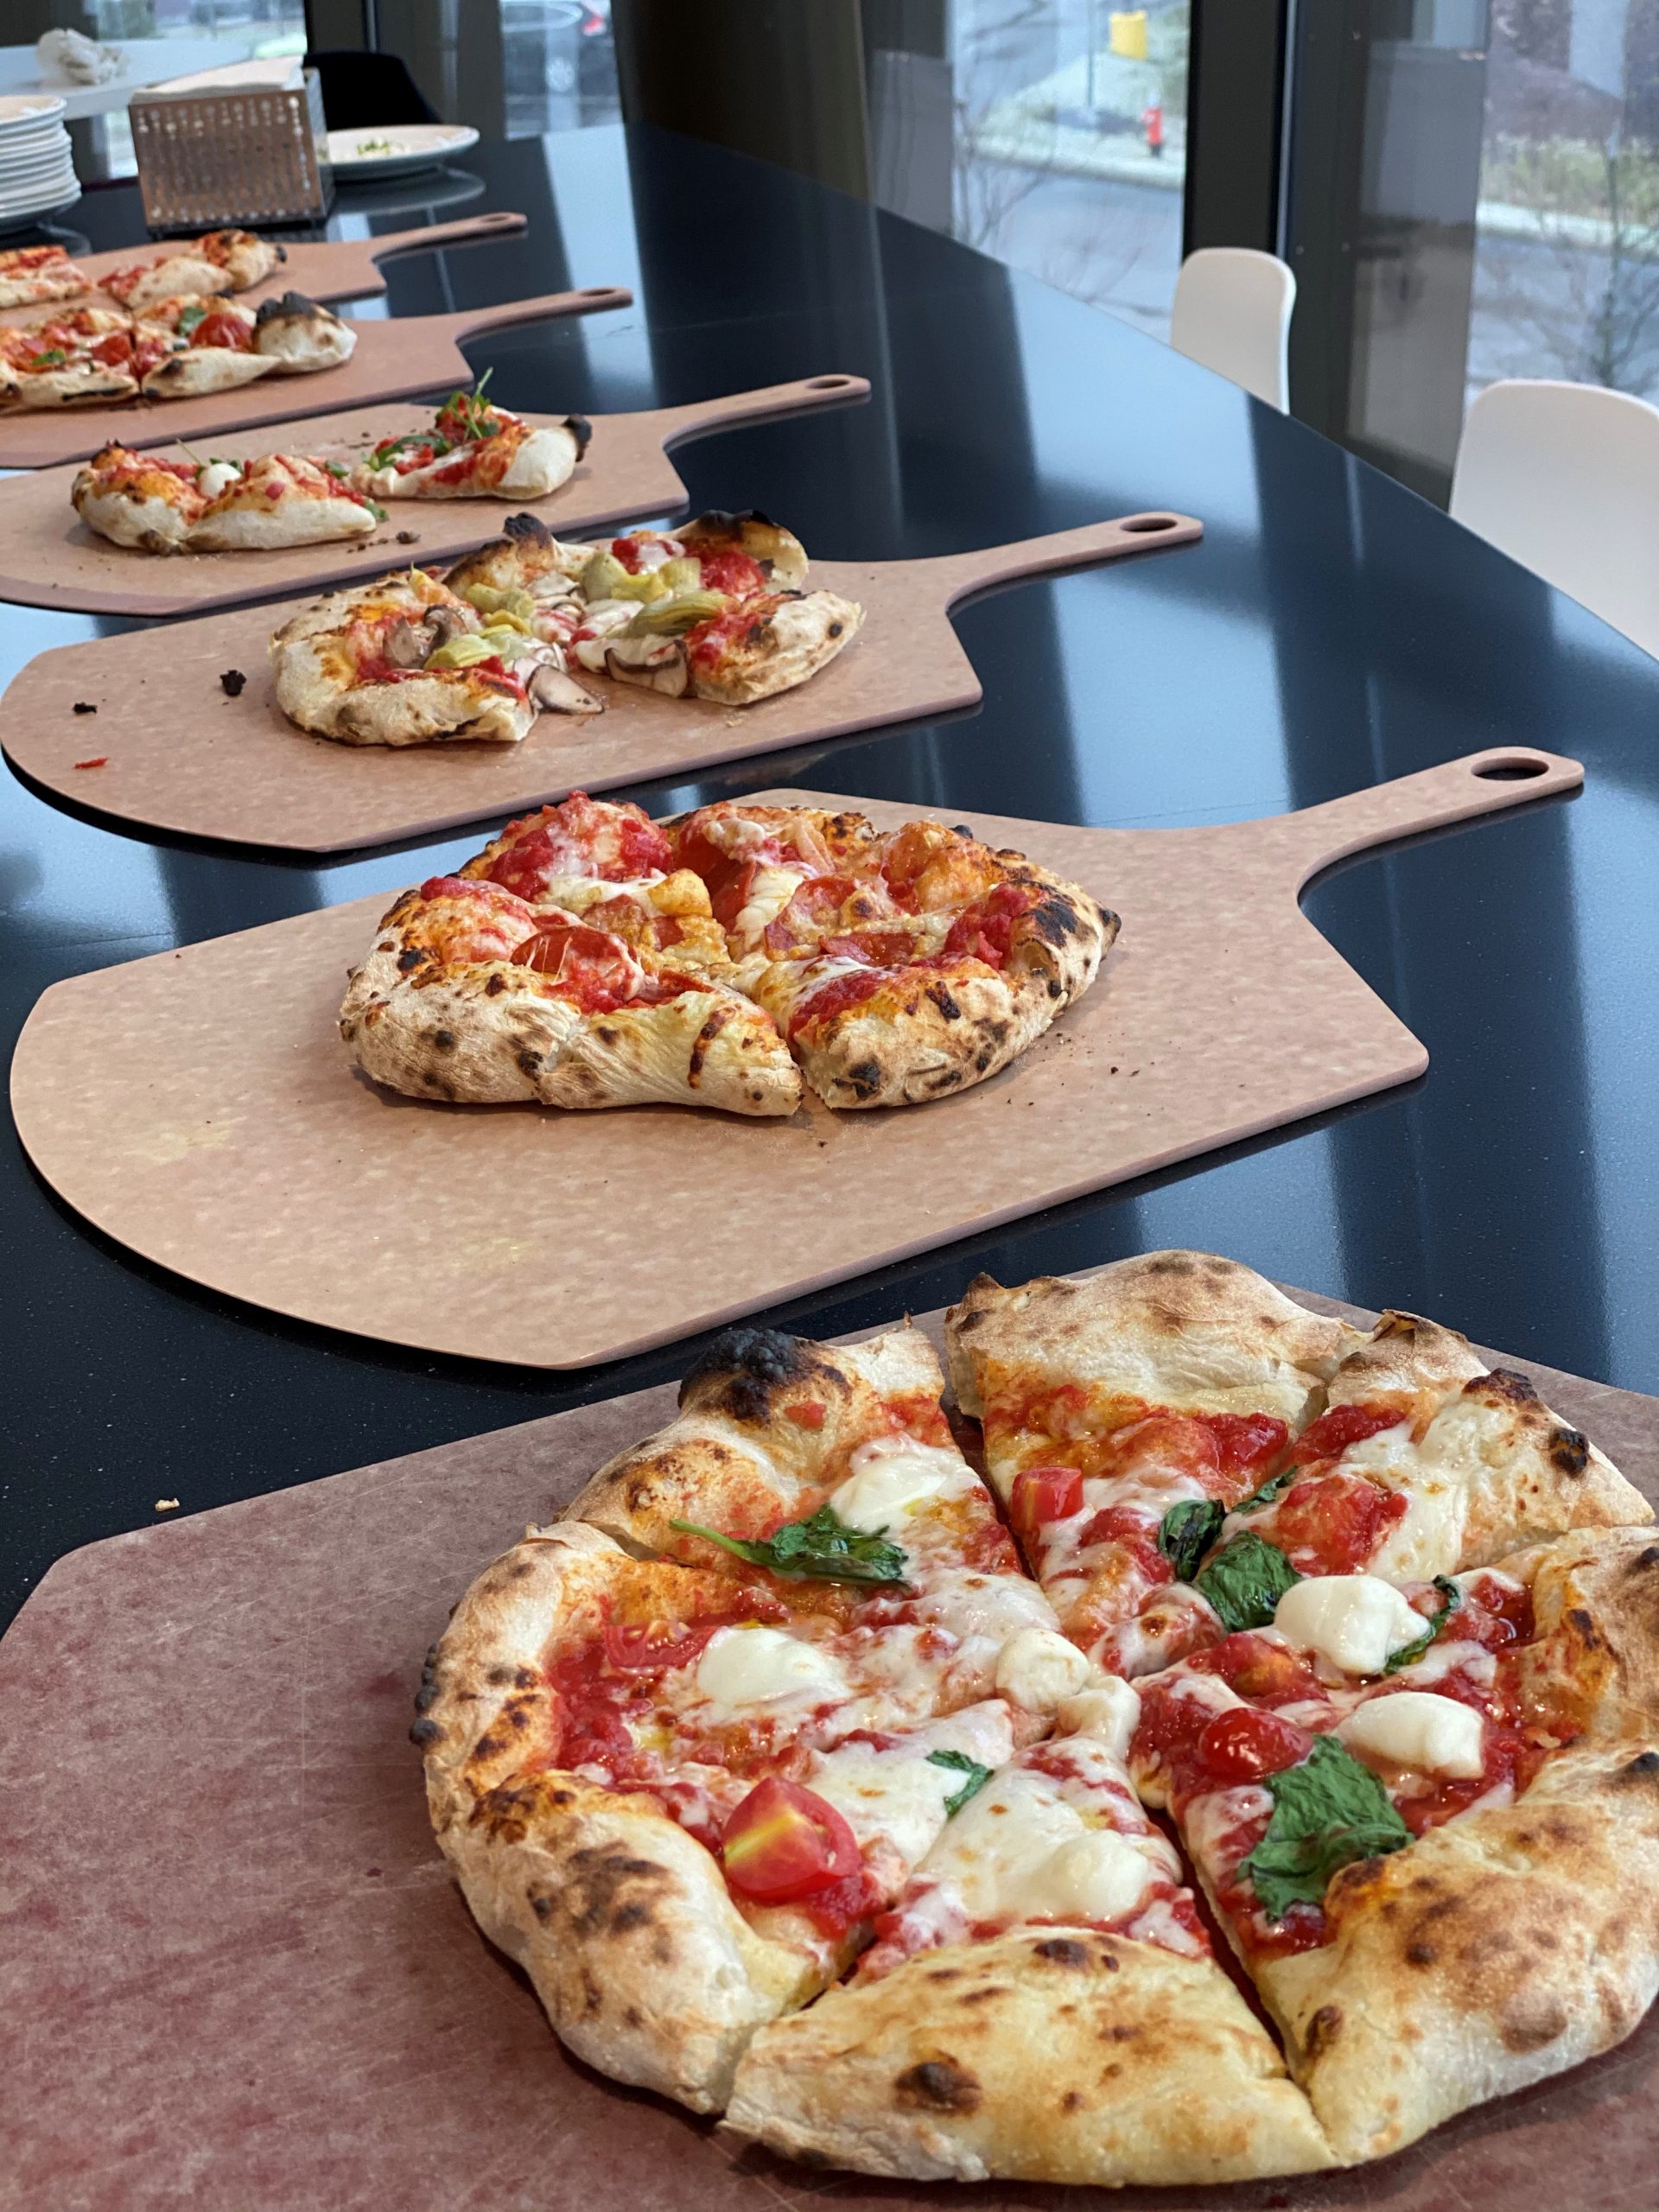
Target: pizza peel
(49, 558)
(393, 359)
(199, 1108)
(323, 269)
(230, 1935)
(181, 757)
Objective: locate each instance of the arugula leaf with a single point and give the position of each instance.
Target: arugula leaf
(1327, 1811)
(824, 1547)
(960, 1763)
(1269, 1493)
(335, 469)
(1245, 1581)
(54, 358)
(376, 509)
(1409, 1654)
(1187, 1531)
(385, 454)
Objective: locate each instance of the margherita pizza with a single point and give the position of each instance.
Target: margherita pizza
(796, 1800)
(155, 505)
(591, 957)
(180, 347)
(223, 261)
(33, 275)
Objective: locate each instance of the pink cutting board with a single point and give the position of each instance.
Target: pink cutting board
(198, 1107)
(236, 1975)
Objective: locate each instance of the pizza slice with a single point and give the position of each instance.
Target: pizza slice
(1040, 2005)
(139, 499)
(1427, 1817)
(142, 286)
(32, 275)
(157, 505)
(298, 338)
(472, 995)
(193, 346)
(677, 1806)
(828, 1476)
(475, 450)
(83, 357)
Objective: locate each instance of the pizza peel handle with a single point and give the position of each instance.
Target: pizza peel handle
(952, 577)
(500, 224)
(473, 322)
(1488, 782)
(673, 425)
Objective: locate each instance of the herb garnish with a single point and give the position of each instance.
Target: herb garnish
(824, 1547)
(1187, 1531)
(1245, 1581)
(1409, 1654)
(189, 317)
(1327, 1811)
(54, 359)
(1270, 1492)
(960, 1763)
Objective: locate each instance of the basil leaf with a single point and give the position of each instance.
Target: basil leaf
(1269, 1493)
(1328, 1812)
(377, 510)
(1187, 1531)
(189, 319)
(960, 1763)
(824, 1547)
(1409, 1654)
(1245, 1581)
(54, 359)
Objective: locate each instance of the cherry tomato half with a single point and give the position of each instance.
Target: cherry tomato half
(783, 1842)
(1043, 1494)
(1243, 1745)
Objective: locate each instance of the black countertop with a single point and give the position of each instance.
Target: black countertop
(1332, 630)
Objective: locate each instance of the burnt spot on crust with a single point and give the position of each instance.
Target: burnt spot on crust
(704, 1038)
(942, 998)
(741, 1369)
(1532, 2021)
(1569, 1450)
(1642, 1770)
(495, 986)
(530, 1062)
(1648, 1556)
(1583, 1627)
(1053, 920)
(409, 957)
(1062, 1951)
(582, 430)
(937, 2085)
(424, 1733)
(1421, 1953)
(1323, 2029)
(526, 530)
(611, 1893)
(443, 1040)
(1503, 1386)
(865, 1079)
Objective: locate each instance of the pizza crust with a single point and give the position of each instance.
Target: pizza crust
(201, 369)
(297, 337)
(1187, 1330)
(1492, 1953)
(1048, 2054)
(265, 508)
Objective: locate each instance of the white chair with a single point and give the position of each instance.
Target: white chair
(1232, 313)
(1564, 478)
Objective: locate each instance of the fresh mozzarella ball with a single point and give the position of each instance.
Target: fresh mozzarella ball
(1098, 1876)
(1416, 1728)
(742, 1667)
(1037, 1666)
(1353, 1622)
(1108, 1709)
(893, 1478)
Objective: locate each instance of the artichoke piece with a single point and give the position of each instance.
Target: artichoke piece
(602, 575)
(683, 573)
(502, 642)
(671, 618)
(488, 600)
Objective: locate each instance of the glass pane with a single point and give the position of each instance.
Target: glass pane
(560, 65)
(1051, 134)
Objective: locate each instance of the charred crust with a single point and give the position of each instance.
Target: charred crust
(704, 1038)
(1062, 1951)
(937, 2085)
(864, 1081)
(409, 957)
(524, 530)
(612, 1893)
(1504, 1386)
(1323, 2029)
(1648, 1556)
(529, 1063)
(292, 306)
(741, 1369)
(942, 998)
(1583, 1627)
(424, 1732)
(582, 430)
(1569, 1450)
(1054, 921)
(1642, 1770)
(496, 985)
(443, 1040)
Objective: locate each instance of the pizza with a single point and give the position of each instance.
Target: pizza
(223, 261)
(182, 346)
(31, 276)
(156, 505)
(731, 958)
(715, 611)
(474, 450)
(775, 1766)
(1175, 1423)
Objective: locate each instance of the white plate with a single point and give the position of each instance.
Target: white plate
(13, 174)
(14, 193)
(9, 220)
(22, 108)
(414, 147)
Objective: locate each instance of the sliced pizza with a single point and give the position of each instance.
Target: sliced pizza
(828, 1475)
(1430, 1831)
(157, 505)
(475, 450)
(678, 1806)
(871, 1019)
(1041, 2003)
(222, 261)
(33, 275)
(83, 357)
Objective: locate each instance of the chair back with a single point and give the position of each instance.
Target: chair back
(1564, 478)
(363, 91)
(1232, 313)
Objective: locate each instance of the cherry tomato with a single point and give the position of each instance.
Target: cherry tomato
(1043, 1494)
(1243, 1745)
(785, 1842)
(1331, 1435)
(1335, 1524)
(657, 1647)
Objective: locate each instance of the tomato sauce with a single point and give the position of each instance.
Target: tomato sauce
(1332, 1524)
(1330, 1436)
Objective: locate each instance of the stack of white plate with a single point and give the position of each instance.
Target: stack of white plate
(37, 177)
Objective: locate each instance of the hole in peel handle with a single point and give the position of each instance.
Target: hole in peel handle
(1512, 768)
(1144, 526)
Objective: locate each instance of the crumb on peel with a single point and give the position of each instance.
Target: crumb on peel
(83, 707)
(167, 1505)
(232, 682)
(98, 760)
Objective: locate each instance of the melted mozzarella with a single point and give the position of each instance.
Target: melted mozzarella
(1354, 1622)
(1108, 1709)
(770, 893)
(1022, 1850)
(744, 1668)
(895, 1476)
(1429, 1540)
(993, 1605)
(1416, 1728)
(1037, 1666)
(898, 1794)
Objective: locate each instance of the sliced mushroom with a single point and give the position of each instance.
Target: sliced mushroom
(559, 694)
(408, 644)
(448, 622)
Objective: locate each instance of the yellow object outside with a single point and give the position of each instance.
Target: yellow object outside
(1128, 34)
